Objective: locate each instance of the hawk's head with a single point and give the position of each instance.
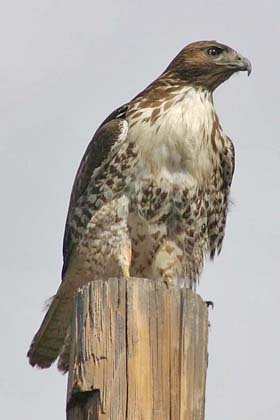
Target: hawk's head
(207, 64)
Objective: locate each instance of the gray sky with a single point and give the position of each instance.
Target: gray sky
(65, 65)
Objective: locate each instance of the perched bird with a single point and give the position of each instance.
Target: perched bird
(151, 195)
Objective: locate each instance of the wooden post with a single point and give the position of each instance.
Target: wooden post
(138, 351)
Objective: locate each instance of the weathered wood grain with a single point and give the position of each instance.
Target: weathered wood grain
(138, 351)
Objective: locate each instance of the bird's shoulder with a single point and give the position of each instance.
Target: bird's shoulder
(228, 161)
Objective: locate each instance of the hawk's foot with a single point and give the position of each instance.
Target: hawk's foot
(169, 281)
(209, 303)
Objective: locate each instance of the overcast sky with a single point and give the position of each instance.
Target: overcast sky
(65, 65)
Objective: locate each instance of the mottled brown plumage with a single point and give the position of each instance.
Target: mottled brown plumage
(151, 195)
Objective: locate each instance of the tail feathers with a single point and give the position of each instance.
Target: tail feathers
(48, 342)
(64, 357)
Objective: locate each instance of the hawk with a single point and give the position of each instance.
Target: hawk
(151, 195)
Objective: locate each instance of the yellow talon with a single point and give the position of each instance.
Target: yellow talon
(168, 280)
(125, 271)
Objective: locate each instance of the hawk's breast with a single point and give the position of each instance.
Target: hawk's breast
(176, 145)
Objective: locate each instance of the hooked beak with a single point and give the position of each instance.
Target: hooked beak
(243, 64)
(236, 62)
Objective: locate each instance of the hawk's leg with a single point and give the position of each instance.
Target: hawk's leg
(125, 271)
(124, 256)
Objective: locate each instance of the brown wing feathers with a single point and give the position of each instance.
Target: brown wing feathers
(48, 341)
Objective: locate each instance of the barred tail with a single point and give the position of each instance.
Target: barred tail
(48, 341)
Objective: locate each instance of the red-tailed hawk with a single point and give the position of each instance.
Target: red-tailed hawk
(151, 194)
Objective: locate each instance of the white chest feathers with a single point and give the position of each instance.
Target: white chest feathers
(177, 143)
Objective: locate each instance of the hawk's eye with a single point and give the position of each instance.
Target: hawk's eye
(214, 51)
